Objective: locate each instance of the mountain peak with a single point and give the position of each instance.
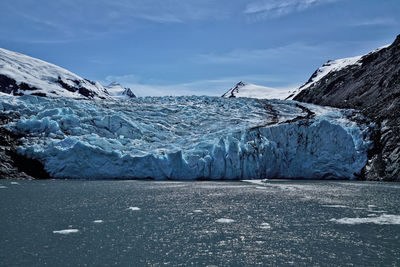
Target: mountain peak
(240, 84)
(118, 91)
(114, 84)
(396, 41)
(243, 89)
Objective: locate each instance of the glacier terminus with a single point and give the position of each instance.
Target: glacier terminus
(188, 137)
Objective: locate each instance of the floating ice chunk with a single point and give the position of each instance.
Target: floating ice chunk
(98, 221)
(14, 183)
(2, 186)
(66, 231)
(197, 211)
(134, 208)
(383, 219)
(261, 187)
(225, 220)
(255, 181)
(335, 206)
(265, 226)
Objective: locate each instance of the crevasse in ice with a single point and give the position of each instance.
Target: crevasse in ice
(188, 138)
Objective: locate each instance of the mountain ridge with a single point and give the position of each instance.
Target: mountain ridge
(24, 75)
(373, 87)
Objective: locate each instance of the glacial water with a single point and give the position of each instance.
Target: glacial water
(154, 223)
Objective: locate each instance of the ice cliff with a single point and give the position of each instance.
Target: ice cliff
(187, 138)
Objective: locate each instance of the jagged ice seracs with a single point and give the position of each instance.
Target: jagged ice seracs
(188, 138)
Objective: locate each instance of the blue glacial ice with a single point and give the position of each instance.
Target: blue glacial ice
(188, 138)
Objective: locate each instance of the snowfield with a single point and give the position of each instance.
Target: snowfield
(188, 138)
(35, 76)
(24, 75)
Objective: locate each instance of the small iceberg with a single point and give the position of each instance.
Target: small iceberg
(197, 211)
(383, 219)
(265, 226)
(335, 206)
(134, 208)
(225, 220)
(66, 231)
(98, 221)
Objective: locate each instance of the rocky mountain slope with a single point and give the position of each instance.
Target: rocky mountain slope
(24, 75)
(371, 84)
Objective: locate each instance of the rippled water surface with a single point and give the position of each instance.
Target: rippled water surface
(136, 223)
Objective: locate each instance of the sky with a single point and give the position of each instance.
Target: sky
(200, 47)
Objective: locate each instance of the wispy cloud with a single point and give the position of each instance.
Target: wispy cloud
(245, 56)
(63, 20)
(278, 8)
(376, 22)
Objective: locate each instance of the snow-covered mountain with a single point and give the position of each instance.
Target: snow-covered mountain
(23, 75)
(117, 91)
(187, 138)
(242, 89)
(331, 66)
(249, 90)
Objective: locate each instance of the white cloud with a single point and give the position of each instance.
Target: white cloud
(210, 87)
(278, 8)
(245, 56)
(376, 22)
(73, 20)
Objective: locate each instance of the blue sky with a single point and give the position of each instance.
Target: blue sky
(176, 47)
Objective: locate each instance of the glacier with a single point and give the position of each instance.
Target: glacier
(188, 138)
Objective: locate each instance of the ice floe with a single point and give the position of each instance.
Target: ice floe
(225, 220)
(66, 231)
(265, 226)
(383, 219)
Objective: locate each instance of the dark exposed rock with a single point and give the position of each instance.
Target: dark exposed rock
(129, 93)
(9, 86)
(231, 92)
(13, 165)
(78, 87)
(373, 87)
